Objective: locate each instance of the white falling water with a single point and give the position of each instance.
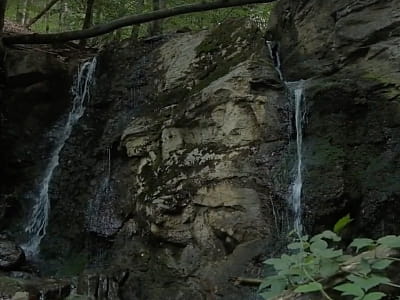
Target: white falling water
(295, 92)
(296, 89)
(274, 53)
(38, 221)
(101, 216)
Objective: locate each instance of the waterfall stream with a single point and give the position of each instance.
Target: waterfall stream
(295, 92)
(101, 217)
(39, 218)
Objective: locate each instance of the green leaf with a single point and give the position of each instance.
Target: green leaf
(392, 241)
(328, 235)
(350, 289)
(297, 258)
(268, 281)
(368, 282)
(342, 223)
(320, 248)
(277, 286)
(331, 253)
(375, 280)
(328, 268)
(318, 245)
(374, 296)
(278, 263)
(362, 243)
(309, 287)
(381, 264)
(364, 267)
(298, 245)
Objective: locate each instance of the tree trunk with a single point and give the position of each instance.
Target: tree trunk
(42, 13)
(25, 12)
(123, 22)
(3, 6)
(46, 19)
(136, 28)
(88, 14)
(88, 18)
(61, 15)
(155, 27)
(18, 13)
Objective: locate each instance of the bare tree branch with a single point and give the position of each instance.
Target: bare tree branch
(123, 22)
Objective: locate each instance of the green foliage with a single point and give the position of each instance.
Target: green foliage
(342, 223)
(391, 241)
(313, 262)
(69, 14)
(362, 243)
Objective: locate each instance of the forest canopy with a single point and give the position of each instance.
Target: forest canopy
(54, 16)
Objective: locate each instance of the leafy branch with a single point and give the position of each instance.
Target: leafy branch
(317, 264)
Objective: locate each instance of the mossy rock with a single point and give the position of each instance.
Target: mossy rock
(237, 40)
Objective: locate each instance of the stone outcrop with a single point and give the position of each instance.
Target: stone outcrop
(202, 165)
(165, 188)
(348, 52)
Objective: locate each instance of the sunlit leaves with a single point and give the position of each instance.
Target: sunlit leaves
(342, 223)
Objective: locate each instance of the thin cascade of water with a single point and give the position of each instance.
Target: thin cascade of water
(295, 91)
(101, 217)
(38, 221)
(108, 163)
(274, 53)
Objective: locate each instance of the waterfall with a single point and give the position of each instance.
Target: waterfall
(101, 217)
(295, 92)
(39, 218)
(274, 53)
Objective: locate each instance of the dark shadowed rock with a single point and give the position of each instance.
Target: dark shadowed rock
(349, 53)
(11, 256)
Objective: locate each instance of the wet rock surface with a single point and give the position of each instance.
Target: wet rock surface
(348, 52)
(11, 256)
(34, 98)
(164, 189)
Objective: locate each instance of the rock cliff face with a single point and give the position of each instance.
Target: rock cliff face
(348, 52)
(167, 183)
(176, 178)
(35, 96)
